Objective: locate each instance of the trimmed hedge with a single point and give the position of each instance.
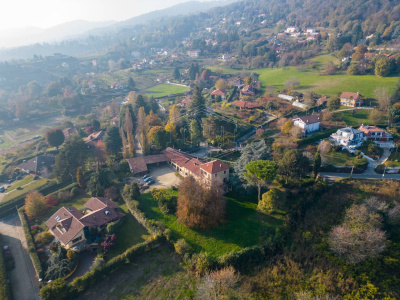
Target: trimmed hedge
(82, 283)
(154, 227)
(317, 136)
(19, 201)
(4, 287)
(31, 245)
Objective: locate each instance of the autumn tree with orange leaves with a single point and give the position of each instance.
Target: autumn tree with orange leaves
(200, 206)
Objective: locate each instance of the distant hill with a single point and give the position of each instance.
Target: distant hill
(31, 35)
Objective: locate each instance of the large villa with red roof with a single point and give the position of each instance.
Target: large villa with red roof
(213, 172)
(68, 224)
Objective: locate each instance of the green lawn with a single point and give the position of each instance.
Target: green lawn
(243, 226)
(361, 116)
(342, 158)
(163, 90)
(128, 234)
(32, 186)
(310, 78)
(330, 85)
(19, 183)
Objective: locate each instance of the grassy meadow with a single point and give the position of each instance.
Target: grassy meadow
(243, 226)
(163, 90)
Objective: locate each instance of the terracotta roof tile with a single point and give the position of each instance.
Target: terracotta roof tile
(215, 166)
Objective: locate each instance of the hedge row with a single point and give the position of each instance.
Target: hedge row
(4, 287)
(19, 201)
(82, 283)
(317, 136)
(154, 227)
(31, 245)
(246, 258)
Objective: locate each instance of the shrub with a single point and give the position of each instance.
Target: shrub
(64, 196)
(109, 242)
(182, 247)
(35, 229)
(75, 191)
(52, 200)
(44, 238)
(270, 201)
(167, 202)
(71, 255)
(111, 228)
(57, 289)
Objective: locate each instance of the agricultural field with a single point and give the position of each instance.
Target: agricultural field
(163, 90)
(244, 225)
(310, 78)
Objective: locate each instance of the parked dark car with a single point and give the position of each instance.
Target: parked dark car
(150, 182)
(148, 179)
(6, 250)
(2, 189)
(146, 176)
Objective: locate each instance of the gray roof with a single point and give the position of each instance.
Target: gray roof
(310, 119)
(37, 163)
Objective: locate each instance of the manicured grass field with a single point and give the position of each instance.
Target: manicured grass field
(361, 116)
(225, 70)
(341, 158)
(32, 186)
(129, 233)
(19, 183)
(163, 90)
(243, 226)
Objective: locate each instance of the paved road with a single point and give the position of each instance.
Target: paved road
(24, 283)
(360, 176)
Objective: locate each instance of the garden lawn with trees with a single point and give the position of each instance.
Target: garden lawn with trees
(163, 90)
(243, 226)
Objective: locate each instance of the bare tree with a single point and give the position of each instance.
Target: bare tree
(360, 236)
(218, 284)
(296, 132)
(383, 96)
(292, 83)
(324, 147)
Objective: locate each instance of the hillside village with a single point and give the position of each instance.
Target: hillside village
(239, 153)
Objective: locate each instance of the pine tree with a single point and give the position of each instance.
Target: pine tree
(176, 74)
(317, 163)
(197, 106)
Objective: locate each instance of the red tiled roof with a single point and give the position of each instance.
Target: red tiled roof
(94, 136)
(67, 222)
(186, 100)
(348, 95)
(137, 164)
(246, 104)
(214, 166)
(366, 129)
(218, 93)
(68, 217)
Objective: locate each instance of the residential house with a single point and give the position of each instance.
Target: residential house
(193, 52)
(378, 135)
(116, 85)
(214, 172)
(246, 104)
(68, 132)
(322, 101)
(350, 99)
(308, 123)
(70, 226)
(93, 138)
(348, 137)
(219, 92)
(39, 165)
(248, 90)
(291, 30)
(239, 82)
(115, 121)
(185, 101)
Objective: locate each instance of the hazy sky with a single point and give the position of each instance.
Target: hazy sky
(47, 13)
